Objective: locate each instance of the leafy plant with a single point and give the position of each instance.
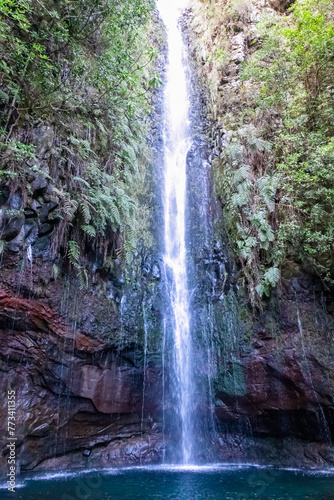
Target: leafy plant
(276, 175)
(86, 67)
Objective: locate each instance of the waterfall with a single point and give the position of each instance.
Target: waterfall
(176, 145)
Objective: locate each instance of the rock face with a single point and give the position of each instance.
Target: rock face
(271, 372)
(288, 364)
(89, 394)
(72, 392)
(80, 399)
(281, 384)
(26, 219)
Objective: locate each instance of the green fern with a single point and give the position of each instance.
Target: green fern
(272, 276)
(73, 252)
(70, 207)
(85, 212)
(241, 197)
(80, 179)
(258, 144)
(241, 173)
(90, 230)
(83, 147)
(101, 126)
(267, 189)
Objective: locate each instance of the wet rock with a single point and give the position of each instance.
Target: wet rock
(156, 271)
(15, 202)
(288, 377)
(39, 185)
(11, 227)
(30, 231)
(27, 236)
(45, 229)
(328, 455)
(258, 344)
(50, 188)
(43, 138)
(306, 281)
(36, 205)
(146, 268)
(40, 431)
(296, 286)
(4, 195)
(85, 343)
(109, 389)
(72, 378)
(46, 209)
(42, 244)
(30, 213)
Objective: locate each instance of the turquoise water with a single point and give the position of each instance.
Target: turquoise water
(201, 483)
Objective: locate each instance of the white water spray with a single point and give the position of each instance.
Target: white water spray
(29, 254)
(177, 143)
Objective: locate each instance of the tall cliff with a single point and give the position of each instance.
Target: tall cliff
(81, 301)
(270, 149)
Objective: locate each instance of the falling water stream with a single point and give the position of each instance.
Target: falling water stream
(176, 144)
(144, 368)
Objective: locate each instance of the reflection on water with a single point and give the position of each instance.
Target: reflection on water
(228, 482)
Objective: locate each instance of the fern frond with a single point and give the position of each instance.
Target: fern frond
(69, 208)
(272, 276)
(83, 181)
(85, 212)
(73, 252)
(267, 185)
(83, 147)
(241, 174)
(90, 230)
(101, 126)
(258, 144)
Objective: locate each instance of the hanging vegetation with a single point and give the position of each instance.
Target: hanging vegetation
(81, 70)
(273, 96)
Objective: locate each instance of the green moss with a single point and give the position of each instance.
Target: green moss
(232, 380)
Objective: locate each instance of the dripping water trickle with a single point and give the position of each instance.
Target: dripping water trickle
(144, 370)
(163, 356)
(320, 415)
(58, 415)
(29, 254)
(29, 257)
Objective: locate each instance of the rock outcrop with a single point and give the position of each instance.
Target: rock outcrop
(79, 401)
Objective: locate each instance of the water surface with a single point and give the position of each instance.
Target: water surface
(197, 483)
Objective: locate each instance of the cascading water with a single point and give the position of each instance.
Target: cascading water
(176, 145)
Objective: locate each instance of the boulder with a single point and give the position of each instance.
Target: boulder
(11, 227)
